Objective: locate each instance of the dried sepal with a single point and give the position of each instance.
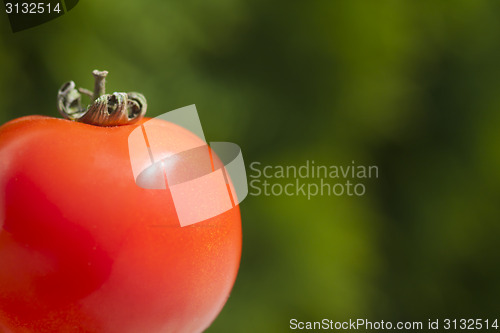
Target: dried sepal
(106, 110)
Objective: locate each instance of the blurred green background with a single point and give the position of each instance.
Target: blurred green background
(410, 86)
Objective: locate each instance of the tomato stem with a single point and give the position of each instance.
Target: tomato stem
(100, 83)
(106, 109)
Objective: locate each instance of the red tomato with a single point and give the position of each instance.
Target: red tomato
(84, 249)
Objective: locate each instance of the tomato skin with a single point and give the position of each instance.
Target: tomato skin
(84, 249)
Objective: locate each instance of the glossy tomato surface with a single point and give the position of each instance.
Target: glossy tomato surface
(85, 249)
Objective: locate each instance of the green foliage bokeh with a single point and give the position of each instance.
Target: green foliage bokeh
(410, 86)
